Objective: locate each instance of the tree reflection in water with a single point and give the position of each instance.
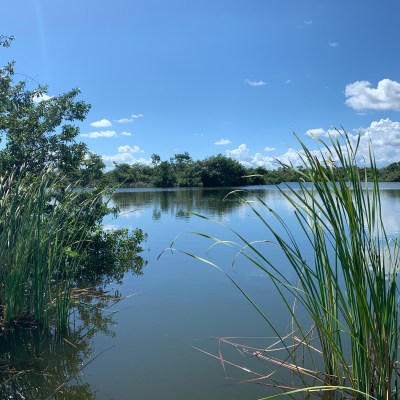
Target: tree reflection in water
(48, 365)
(175, 201)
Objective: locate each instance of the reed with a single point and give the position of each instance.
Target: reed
(349, 288)
(39, 249)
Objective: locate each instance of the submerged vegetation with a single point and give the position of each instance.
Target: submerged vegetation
(348, 289)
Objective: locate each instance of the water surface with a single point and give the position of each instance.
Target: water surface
(146, 349)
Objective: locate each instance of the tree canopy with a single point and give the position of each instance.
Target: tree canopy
(39, 133)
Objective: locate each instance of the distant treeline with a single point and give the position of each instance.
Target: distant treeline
(215, 171)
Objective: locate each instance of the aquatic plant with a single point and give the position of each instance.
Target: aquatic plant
(348, 288)
(39, 248)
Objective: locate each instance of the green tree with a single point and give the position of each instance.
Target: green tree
(164, 175)
(186, 170)
(155, 159)
(39, 133)
(220, 170)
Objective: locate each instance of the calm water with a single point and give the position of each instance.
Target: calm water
(145, 348)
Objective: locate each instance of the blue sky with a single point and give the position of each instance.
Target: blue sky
(236, 77)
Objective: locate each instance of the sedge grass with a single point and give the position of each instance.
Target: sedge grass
(349, 288)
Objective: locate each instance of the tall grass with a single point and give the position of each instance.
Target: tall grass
(37, 263)
(349, 288)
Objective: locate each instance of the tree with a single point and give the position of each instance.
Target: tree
(220, 170)
(91, 171)
(39, 133)
(181, 159)
(155, 159)
(164, 175)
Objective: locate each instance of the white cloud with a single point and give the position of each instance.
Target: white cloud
(308, 22)
(40, 98)
(288, 82)
(269, 148)
(126, 134)
(255, 83)
(132, 118)
(386, 96)
(319, 132)
(130, 149)
(124, 158)
(94, 135)
(126, 154)
(222, 141)
(384, 136)
(241, 153)
(103, 123)
(333, 44)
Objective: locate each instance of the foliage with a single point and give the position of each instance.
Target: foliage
(40, 249)
(39, 140)
(186, 170)
(182, 171)
(164, 175)
(391, 173)
(222, 171)
(348, 288)
(114, 252)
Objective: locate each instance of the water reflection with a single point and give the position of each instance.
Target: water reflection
(215, 202)
(46, 365)
(178, 202)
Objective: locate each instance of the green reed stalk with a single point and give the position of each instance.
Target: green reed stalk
(349, 288)
(37, 264)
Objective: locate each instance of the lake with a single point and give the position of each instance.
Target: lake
(147, 345)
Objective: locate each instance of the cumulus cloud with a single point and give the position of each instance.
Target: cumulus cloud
(222, 141)
(126, 154)
(319, 132)
(103, 123)
(241, 153)
(333, 44)
(361, 96)
(132, 118)
(97, 134)
(255, 83)
(315, 132)
(39, 98)
(126, 134)
(130, 149)
(269, 148)
(308, 22)
(288, 82)
(384, 137)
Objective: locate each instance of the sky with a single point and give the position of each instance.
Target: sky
(236, 77)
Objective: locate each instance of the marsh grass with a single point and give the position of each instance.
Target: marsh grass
(348, 288)
(39, 249)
